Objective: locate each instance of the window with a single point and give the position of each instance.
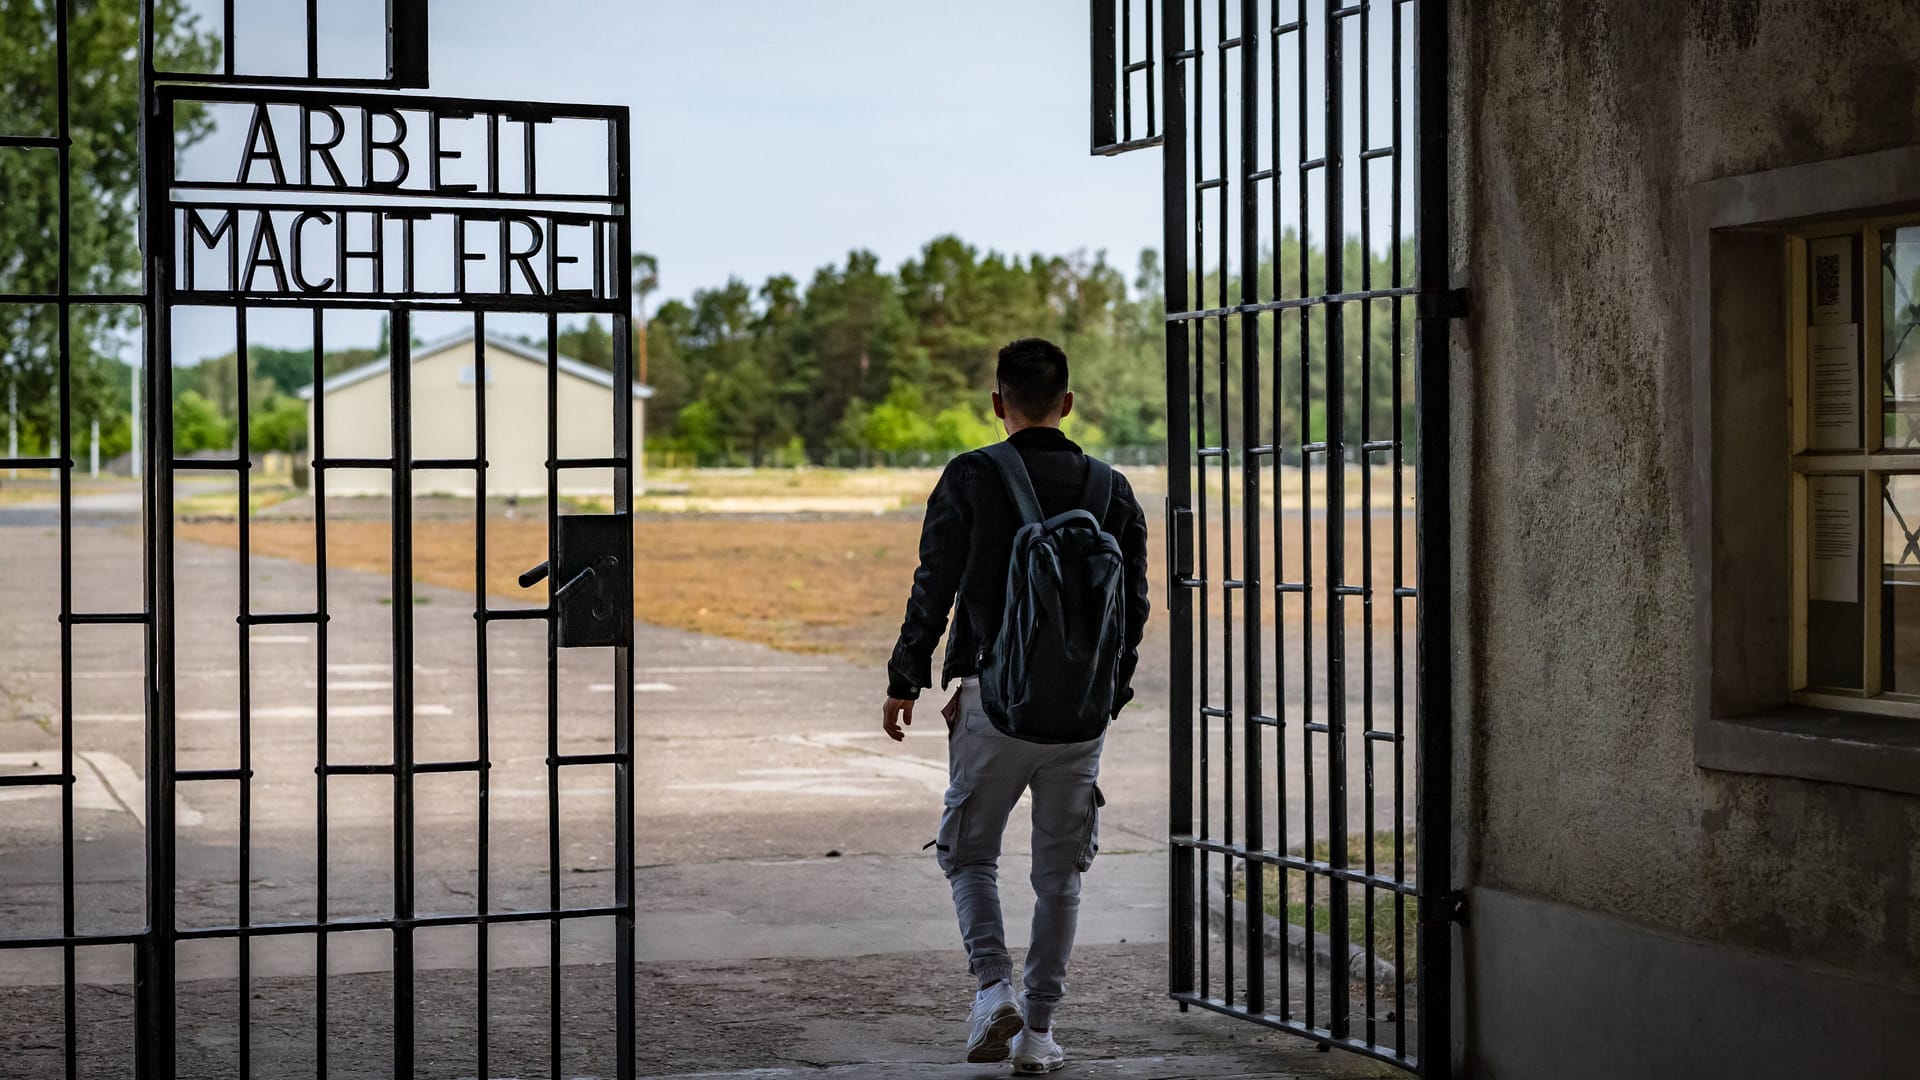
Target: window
(1803, 413)
(1855, 460)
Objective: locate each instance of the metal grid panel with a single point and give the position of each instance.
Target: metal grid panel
(402, 463)
(405, 51)
(154, 948)
(62, 299)
(1116, 70)
(1304, 185)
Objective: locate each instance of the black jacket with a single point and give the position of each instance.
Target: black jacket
(967, 541)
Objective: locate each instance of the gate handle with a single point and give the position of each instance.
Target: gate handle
(602, 607)
(589, 581)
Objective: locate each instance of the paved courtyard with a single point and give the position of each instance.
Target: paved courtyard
(788, 915)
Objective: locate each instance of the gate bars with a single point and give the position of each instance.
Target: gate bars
(1353, 946)
(156, 987)
(157, 996)
(62, 298)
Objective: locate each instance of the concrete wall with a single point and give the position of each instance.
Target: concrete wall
(358, 426)
(1579, 129)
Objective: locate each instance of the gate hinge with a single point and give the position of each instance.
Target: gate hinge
(1450, 907)
(1179, 548)
(1449, 304)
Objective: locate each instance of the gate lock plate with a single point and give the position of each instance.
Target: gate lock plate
(593, 597)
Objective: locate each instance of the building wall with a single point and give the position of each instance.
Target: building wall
(1608, 870)
(358, 425)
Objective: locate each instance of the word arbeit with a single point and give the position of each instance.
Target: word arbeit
(363, 201)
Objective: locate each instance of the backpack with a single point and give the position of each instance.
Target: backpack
(1049, 677)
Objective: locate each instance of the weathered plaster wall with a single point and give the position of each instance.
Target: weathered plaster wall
(1579, 129)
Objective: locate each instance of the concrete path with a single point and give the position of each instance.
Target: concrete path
(788, 920)
(1156, 1068)
(102, 503)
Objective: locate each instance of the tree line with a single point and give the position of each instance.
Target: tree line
(870, 359)
(862, 358)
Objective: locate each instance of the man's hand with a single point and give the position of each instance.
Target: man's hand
(896, 712)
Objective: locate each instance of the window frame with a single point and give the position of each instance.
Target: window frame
(1738, 428)
(1872, 462)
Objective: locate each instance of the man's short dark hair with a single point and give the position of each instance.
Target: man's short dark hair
(1033, 377)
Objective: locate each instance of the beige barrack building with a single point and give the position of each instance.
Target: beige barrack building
(357, 406)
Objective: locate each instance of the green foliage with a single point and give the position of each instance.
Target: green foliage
(957, 426)
(863, 360)
(1083, 431)
(288, 371)
(278, 423)
(116, 436)
(276, 417)
(699, 429)
(899, 422)
(198, 425)
(591, 344)
(104, 255)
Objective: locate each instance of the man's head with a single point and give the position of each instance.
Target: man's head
(1032, 378)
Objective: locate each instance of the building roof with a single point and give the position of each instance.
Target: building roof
(379, 365)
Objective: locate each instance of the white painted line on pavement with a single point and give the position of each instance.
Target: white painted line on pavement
(378, 669)
(796, 787)
(282, 639)
(273, 712)
(106, 782)
(297, 712)
(932, 774)
(740, 670)
(231, 673)
(84, 676)
(127, 787)
(876, 773)
(638, 688)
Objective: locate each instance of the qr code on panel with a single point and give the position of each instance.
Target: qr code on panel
(1826, 281)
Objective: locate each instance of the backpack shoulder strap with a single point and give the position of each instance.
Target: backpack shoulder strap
(1097, 496)
(1013, 472)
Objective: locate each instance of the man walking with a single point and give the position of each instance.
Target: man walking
(1045, 550)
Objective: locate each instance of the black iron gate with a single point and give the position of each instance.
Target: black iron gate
(274, 242)
(1304, 156)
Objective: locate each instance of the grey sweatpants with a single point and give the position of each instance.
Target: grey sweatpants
(987, 773)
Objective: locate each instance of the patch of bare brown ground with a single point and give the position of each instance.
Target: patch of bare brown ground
(801, 584)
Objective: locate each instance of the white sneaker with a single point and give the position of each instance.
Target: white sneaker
(1036, 1052)
(994, 1021)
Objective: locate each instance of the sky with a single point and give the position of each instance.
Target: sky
(776, 137)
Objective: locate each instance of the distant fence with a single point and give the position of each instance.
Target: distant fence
(1131, 456)
(862, 459)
